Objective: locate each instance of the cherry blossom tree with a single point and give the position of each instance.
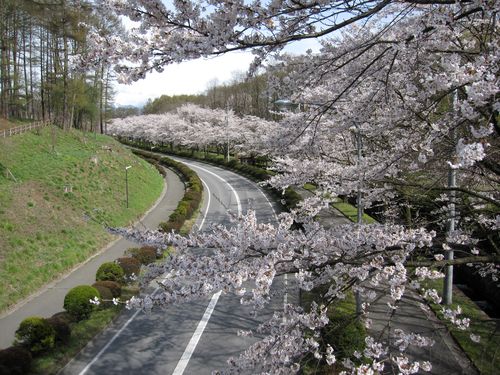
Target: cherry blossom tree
(416, 82)
(199, 128)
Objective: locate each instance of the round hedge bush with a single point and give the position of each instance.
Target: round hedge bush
(36, 334)
(105, 293)
(110, 271)
(77, 301)
(113, 286)
(65, 316)
(146, 254)
(129, 265)
(15, 360)
(61, 328)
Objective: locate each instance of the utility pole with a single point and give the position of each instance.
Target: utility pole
(359, 202)
(227, 133)
(126, 182)
(452, 184)
(449, 254)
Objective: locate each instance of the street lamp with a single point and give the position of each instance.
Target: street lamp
(450, 227)
(126, 182)
(359, 149)
(359, 202)
(227, 132)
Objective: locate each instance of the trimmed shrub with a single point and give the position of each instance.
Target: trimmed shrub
(129, 265)
(61, 328)
(64, 315)
(15, 360)
(192, 196)
(145, 255)
(36, 334)
(114, 287)
(77, 301)
(106, 295)
(110, 271)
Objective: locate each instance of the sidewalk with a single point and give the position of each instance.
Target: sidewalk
(49, 300)
(445, 355)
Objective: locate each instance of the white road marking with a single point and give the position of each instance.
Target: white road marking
(208, 205)
(285, 281)
(193, 342)
(94, 360)
(188, 352)
(238, 202)
(119, 332)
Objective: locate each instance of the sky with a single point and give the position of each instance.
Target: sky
(191, 77)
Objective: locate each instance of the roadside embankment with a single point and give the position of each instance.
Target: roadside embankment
(57, 189)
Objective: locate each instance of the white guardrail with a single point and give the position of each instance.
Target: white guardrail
(23, 128)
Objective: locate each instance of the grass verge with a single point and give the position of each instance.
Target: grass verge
(351, 212)
(485, 355)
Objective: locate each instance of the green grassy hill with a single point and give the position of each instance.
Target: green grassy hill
(51, 203)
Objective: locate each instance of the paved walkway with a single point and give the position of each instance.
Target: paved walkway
(49, 300)
(445, 355)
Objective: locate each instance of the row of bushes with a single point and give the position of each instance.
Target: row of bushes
(256, 173)
(191, 200)
(289, 198)
(37, 335)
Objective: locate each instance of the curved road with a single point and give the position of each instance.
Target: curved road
(196, 337)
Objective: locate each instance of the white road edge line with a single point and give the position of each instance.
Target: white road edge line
(208, 205)
(101, 352)
(188, 352)
(238, 202)
(193, 342)
(94, 360)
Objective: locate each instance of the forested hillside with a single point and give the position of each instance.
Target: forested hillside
(52, 203)
(39, 75)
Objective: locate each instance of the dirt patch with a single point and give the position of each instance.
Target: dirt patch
(6, 124)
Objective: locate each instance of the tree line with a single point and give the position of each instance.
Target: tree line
(40, 79)
(244, 95)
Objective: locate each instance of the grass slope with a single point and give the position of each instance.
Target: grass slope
(48, 197)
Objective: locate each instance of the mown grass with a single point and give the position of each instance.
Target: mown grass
(309, 187)
(351, 212)
(53, 203)
(486, 354)
(81, 333)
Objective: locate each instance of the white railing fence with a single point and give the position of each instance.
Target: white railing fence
(23, 128)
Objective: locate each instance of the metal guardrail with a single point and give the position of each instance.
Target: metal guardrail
(22, 129)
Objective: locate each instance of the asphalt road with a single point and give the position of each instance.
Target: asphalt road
(196, 337)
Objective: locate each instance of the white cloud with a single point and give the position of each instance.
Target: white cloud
(190, 77)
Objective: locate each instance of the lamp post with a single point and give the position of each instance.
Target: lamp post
(227, 133)
(126, 182)
(359, 148)
(359, 202)
(450, 227)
